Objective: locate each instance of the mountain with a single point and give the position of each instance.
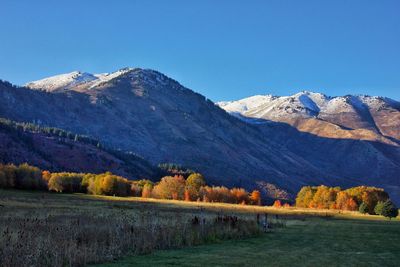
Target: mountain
(358, 117)
(56, 150)
(75, 80)
(152, 115)
(145, 112)
(351, 136)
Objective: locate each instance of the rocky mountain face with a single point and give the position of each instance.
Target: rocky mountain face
(145, 112)
(357, 117)
(357, 137)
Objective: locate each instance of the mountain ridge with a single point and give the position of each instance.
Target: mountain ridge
(153, 115)
(351, 112)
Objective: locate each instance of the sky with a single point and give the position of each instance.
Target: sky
(225, 50)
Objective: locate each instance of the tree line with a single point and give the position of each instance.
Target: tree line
(175, 187)
(364, 199)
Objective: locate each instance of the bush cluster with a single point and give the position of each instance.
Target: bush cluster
(22, 176)
(361, 198)
(176, 187)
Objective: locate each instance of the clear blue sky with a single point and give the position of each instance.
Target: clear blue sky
(222, 49)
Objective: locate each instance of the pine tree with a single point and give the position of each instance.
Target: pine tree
(363, 208)
(389, 209)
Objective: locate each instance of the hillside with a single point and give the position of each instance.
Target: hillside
(351, 136)
(154, 116)
(54, 149)
(145, 112)
(357, 117)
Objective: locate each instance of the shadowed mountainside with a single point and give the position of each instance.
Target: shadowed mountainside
(154, 116)
(53, 152)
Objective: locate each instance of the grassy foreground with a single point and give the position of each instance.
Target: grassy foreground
(46, 229)
(307, 242)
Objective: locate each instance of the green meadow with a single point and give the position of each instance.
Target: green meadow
(307, 242)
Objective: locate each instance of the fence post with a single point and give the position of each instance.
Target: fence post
(265, 223)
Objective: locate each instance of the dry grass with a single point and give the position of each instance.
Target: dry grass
(44, 229)
(246, 209)
(49, 229)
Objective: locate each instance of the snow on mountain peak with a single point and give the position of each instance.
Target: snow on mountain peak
(68, 80)
(62, 80)
(303, 104)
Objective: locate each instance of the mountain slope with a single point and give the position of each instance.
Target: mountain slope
(154, 116)
(378, 117)
(56, 150)
(351, 136)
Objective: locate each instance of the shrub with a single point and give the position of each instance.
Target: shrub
(109, 184)
(389, 209)
(363, 208)
(277, 204)
(147, 190)
(136, 190)
(240, 195)
(255, 198)
(216, 194)
(170, 187)
(67, 182)
(7, 175)
(29, 177)
(305, 196)
(324, 197)
(193, 184)
(378, 208)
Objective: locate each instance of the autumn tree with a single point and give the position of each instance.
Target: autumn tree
(240, 195)
(147, 190)
(324, 197)
(363, 208)
(66, 182)
(170, 187)
(193, 184)
(305, 196)
(255, 197)
(7, 175)
(109, 184)
(217, 194)
(342, 200)
(46, 175)
(277, 204)
(136, 190)
(187, 195)
(29, 177)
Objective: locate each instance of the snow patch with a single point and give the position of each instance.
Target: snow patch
(303, 104)
(68, 80)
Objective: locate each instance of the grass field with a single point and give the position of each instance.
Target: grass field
(81, 229)
(312, 242)
(51, 229)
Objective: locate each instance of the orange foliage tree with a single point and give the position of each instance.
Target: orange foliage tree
(277, 204)
(170, 187)
(255, 197)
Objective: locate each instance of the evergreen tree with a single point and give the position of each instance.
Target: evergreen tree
(363, 208)
(389, 209)
(379, 207)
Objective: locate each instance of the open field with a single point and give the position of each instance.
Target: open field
(49, 229)
(309, 242)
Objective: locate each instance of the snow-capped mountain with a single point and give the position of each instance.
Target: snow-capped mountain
(310, 138)
(378, 114)
(305, 104)
(75, 79)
